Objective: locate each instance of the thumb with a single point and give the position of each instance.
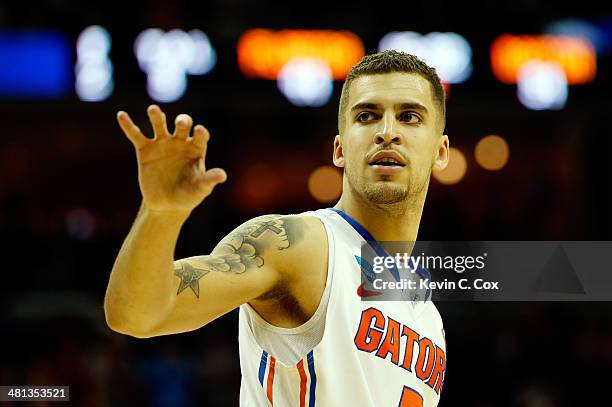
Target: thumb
(215, 176)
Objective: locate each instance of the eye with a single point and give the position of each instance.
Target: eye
(409, 117)
(365, 117)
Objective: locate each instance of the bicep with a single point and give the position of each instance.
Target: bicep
(243, 266)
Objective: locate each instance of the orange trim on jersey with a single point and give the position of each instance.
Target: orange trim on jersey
(303, 379)
(270, 379)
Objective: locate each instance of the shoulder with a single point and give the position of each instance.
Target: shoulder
(282, 239)
(433, 314)
(295, 247)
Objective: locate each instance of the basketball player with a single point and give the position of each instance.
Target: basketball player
(306, 338)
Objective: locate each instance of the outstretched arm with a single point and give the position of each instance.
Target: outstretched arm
(244, 266)
(149, 293)
(173, 180)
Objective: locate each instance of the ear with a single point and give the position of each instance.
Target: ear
(441, 159)
(338, 152)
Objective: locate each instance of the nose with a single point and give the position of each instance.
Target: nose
(386, 133)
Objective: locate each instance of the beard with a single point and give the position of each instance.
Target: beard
(385, 191)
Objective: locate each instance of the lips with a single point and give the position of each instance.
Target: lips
(387, 159)
(387, 162)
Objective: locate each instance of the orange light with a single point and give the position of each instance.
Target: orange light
(575, 55)
(455, 170)
(262, 53)
(325, 184)
(492, 152)
(447, 90)
(257, 187)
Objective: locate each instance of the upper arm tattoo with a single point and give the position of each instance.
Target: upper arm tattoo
(242, 250)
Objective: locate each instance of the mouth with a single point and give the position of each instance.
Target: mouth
(387, 162)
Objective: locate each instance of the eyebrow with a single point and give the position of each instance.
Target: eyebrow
(401, 106)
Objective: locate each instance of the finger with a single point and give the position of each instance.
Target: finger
(182, 127)
(158, 120)
(200, 137)
(215, 176)
(132, 131)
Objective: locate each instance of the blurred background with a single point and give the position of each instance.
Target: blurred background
(528, 119)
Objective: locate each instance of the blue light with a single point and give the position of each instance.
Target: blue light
(34, 64)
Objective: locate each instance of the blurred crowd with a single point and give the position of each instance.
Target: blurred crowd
(69, 193)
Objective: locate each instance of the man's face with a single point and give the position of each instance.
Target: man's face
(391, 138)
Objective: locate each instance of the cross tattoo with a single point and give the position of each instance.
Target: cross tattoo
(266, 226)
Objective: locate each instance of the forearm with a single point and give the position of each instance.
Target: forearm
(141, 285)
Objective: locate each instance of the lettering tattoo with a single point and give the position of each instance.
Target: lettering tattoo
(242, 250)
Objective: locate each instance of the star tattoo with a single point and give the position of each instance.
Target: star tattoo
(189, 278)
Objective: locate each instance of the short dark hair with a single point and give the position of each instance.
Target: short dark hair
(388, 62)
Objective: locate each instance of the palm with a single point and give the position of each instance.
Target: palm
(171, 170)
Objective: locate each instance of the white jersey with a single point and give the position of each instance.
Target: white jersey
(373, 353)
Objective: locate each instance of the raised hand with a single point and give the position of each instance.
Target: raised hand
(171, 170)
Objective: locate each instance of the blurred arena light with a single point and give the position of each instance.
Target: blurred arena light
(168, 57)
(94, 69)
(306, 82)
(263, 53)
(449, 53)
(542, 86)
(34, 64)
(325, 184)
(455, 170)
(576, 27)
(492, 152)
(575, 56)
(257, 186)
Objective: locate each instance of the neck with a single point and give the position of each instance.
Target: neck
(390, 222)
